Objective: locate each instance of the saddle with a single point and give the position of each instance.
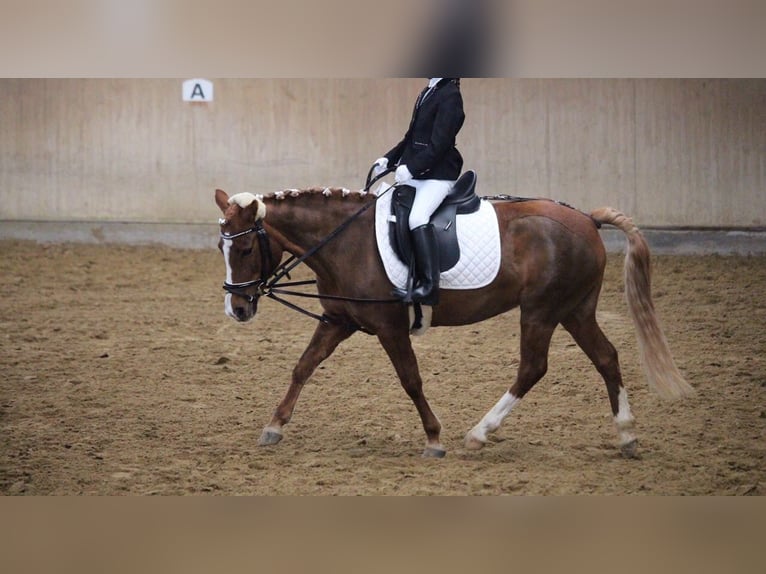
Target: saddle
(462, 199)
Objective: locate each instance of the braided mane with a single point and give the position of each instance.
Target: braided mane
(329, 192)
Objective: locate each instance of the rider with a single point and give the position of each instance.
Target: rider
(428, 160)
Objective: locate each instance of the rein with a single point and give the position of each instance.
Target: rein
(268, 285)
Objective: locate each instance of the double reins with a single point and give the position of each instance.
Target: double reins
(269, 283)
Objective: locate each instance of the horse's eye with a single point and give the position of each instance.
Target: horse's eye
(246, 252)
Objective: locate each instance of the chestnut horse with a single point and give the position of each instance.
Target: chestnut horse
(552, 267)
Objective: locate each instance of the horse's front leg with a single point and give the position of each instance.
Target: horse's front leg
(399, 349)
(326, 338)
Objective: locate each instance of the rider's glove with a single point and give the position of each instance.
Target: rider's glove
(380, 165)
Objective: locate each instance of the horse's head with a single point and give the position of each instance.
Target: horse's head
(249, 254)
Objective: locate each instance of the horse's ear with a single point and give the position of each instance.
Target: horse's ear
(222, 199)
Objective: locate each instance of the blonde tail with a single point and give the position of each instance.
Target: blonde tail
(660, 369)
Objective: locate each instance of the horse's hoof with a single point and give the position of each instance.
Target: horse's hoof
(472, 443)
(269, 437)
(630, 449)
(434, 452)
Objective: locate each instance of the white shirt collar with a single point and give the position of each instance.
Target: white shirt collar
(433, 81)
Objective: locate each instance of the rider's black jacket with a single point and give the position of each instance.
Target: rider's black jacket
(428, 148)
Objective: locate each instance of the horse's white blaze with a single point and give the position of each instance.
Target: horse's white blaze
(494, 418)
(226, 248)
(228, 309)
(624, 418)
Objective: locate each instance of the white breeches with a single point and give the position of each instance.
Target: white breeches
(429, 193)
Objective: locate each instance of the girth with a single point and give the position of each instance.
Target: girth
(462, 199)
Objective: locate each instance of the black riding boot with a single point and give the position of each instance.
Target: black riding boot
(426, 264)
(426, 290)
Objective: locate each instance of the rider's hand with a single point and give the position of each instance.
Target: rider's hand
(402, 174)
(380, 165)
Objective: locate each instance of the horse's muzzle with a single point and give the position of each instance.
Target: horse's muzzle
(240, 308)
(239, 304)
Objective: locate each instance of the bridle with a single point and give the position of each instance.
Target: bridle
(268, 285)
(264, 247)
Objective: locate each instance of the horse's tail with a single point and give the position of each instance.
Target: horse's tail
(659, 367)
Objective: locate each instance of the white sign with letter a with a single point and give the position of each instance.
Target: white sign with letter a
(198, 91)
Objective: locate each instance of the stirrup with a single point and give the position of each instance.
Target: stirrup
(431, 298)
(404, 294)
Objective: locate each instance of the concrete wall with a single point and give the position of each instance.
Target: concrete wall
(667, 152)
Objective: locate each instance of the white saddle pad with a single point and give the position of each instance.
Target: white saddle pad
(477, 233)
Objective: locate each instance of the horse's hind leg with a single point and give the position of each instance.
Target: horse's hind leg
(326, 338)
(535, 342)
(583, 327)
(399, 350)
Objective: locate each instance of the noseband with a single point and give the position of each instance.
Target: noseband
(266, 264)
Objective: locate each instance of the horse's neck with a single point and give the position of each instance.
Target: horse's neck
(306, 220)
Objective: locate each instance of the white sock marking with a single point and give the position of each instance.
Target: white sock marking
(624, 419)
(494, 418)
